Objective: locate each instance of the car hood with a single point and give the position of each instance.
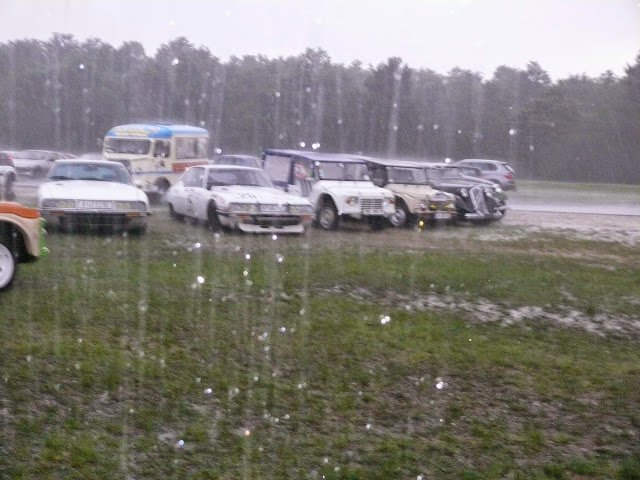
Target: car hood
(90, 190)
(418, 191)
(348, 187)
(241, 194)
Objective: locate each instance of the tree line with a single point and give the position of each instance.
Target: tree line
(64, 94)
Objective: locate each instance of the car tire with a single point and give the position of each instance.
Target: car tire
(9, 194)
(212, 218)
(8, 267)
(328, 216)
(401, 217)
(173, 214)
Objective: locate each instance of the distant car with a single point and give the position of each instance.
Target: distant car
(416, 200)
(36, 163)
(8, 176)
(236, 197)
(497, 171)
(476, 200)
(241, 160)
(92, 193)
(21, 239)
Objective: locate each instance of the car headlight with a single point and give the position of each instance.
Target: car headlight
(58, 203)
(243, 208)
(497, 189)
(352, 201)
(422, 206)
(388, 202)
(489, 193)
(301, 209)
(464, 193)
(451, 206)
(131, 206)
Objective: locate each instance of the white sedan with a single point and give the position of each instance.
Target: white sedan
(235, 197)
(92, 193)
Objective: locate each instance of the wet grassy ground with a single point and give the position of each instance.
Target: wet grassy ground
(488, 352)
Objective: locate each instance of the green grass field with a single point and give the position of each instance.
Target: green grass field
(336, 355)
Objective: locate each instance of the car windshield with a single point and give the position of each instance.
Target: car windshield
(127, 145)
(31, 155)
(433, 174)
(241, 161)
(231, 176)
(90, 171)
(451, 172)
(342, 171)
(415, 176)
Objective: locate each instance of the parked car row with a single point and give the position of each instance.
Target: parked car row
(245, 192)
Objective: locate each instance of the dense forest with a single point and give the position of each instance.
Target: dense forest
(64, 94)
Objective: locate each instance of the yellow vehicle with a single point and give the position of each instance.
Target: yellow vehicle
(156, 154)
(21, 239)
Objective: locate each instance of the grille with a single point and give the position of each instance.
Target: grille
(478, 201)
(368, 204)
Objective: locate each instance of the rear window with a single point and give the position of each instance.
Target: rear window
(509, 167)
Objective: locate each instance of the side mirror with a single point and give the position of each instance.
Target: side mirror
(138, 184)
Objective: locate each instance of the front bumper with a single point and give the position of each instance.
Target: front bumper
(95, 219)
(264, 223)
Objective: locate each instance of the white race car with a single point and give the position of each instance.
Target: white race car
(92, 193)
(237, 197)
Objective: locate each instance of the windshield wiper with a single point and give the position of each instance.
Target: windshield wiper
(60, 177)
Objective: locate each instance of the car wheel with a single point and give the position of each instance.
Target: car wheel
(173, 214)
(328, 217)
(8, 266)
(401, 215)
(377, 223)
(212, 218)
(9, 194)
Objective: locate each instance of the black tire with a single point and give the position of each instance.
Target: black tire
(9, 194)
(377, 223)
(174, 215)
(402, 217)
(328, 216)
(8, 267)
(212, 218)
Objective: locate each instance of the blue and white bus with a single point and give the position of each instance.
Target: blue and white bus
(156, 154)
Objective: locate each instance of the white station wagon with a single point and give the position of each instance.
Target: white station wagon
(237, 197)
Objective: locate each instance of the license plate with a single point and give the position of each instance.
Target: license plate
(270, 208)
(443, 216)
(95, 204)
(373, 212)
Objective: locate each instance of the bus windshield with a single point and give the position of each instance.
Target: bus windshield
(127, 145)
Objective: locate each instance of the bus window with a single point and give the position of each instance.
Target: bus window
(161, 148)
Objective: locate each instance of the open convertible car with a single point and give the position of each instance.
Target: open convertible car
(83, 194)
(236, 197)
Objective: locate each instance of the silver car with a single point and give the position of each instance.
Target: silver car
(497, 171)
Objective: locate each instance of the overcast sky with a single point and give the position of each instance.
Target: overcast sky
(565, 36)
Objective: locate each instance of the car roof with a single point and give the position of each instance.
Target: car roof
(88, 161)
(228, 167)
(390, 162)
(488, 160)
(316, 156)
(233, 155)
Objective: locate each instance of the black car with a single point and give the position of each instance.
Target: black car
(475, 199)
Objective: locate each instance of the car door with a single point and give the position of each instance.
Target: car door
(198, 194)
(179, 192)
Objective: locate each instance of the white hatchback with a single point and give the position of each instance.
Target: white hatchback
(236, 197)
(92, 193)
